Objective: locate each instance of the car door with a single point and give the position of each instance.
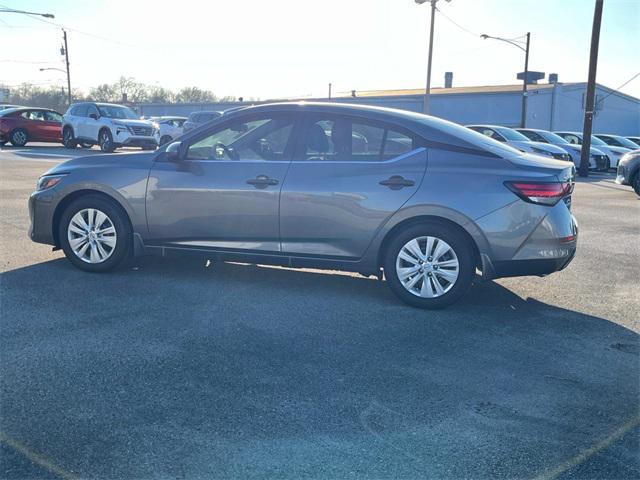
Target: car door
(52, 126)
(225, 193)
(91, 125)
(347, 177)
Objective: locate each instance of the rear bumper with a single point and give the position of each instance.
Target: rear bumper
(538, 267)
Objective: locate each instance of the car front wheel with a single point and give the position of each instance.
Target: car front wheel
(636, 184)
(106, 141)
(94, 234)
(429, 265)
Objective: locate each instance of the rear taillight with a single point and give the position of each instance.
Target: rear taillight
(543, 193)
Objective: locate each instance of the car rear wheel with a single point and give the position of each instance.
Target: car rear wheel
(106, 141)
(429, 265)
(94, 234)
(19, 137)
(68, 139)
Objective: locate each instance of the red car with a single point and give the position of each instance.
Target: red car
(25, 124)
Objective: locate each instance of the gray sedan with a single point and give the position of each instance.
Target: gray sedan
(365, 189)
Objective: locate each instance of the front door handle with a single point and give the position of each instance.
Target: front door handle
(396, 182)
(262, 181)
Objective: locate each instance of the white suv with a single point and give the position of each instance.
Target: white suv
(109, 126)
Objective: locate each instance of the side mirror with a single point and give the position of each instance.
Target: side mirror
(174, 151)
(94, 116)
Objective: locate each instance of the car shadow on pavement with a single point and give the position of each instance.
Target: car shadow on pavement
(171, 368)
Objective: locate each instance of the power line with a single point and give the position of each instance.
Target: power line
(616, 90)
(457, 24)
(77, 31)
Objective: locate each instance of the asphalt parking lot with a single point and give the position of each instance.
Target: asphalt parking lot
(175, 368)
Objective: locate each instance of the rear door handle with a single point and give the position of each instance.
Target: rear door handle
(262, 181)
(396, 182)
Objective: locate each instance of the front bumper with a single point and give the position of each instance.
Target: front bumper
(622, 176)
(41, 211)
(125, 139)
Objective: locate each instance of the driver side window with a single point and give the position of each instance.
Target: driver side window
(264, 138)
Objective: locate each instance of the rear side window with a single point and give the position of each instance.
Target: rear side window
(52, 117)
(345, 139)
(33, 115)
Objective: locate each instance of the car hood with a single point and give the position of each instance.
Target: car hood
(617, 150)
(111, 160)
(547, 147)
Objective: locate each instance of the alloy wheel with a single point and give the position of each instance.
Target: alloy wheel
(92, 235)
(427, 267)
(19, 137)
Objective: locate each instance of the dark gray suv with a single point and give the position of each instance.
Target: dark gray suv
(321, 185)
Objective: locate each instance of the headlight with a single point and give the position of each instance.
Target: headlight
(48, 181)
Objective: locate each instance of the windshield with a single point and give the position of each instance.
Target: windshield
(552, 137)
(627, 143)
(512, 135)
(115, 111)
(596, 141)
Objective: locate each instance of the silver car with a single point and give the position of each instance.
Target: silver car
(597, 159)
(517, 140)
(613, 153)
(321, 185)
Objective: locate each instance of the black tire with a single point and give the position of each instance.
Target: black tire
(19, 137)
(105, 140)
(165, 139)
(119, 220)
(457, 241)
(68, 138)
(635, 183)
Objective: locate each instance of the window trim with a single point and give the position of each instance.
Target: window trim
(307, 118)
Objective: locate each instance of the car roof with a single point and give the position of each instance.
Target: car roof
(22, 109)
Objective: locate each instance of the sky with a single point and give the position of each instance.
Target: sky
(295, 48)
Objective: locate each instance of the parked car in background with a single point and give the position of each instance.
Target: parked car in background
(635, 140)
(170, 127)
(616, 141)
(597, 159)
(198, 118)
(517, 140)
(629, 170)
(108, 125)
(613, 153)
(21, 125)
(267, 184)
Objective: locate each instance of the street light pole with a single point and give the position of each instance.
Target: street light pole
(427, 91)
(66, 57)
(523, 110)
(11, 10)
(523, 118)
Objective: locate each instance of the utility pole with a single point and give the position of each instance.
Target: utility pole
(430, 57)
(523, 118)
(66, 56)
(583, 171)
(329, 91)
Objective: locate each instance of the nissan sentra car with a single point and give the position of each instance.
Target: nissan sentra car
(420, 200)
